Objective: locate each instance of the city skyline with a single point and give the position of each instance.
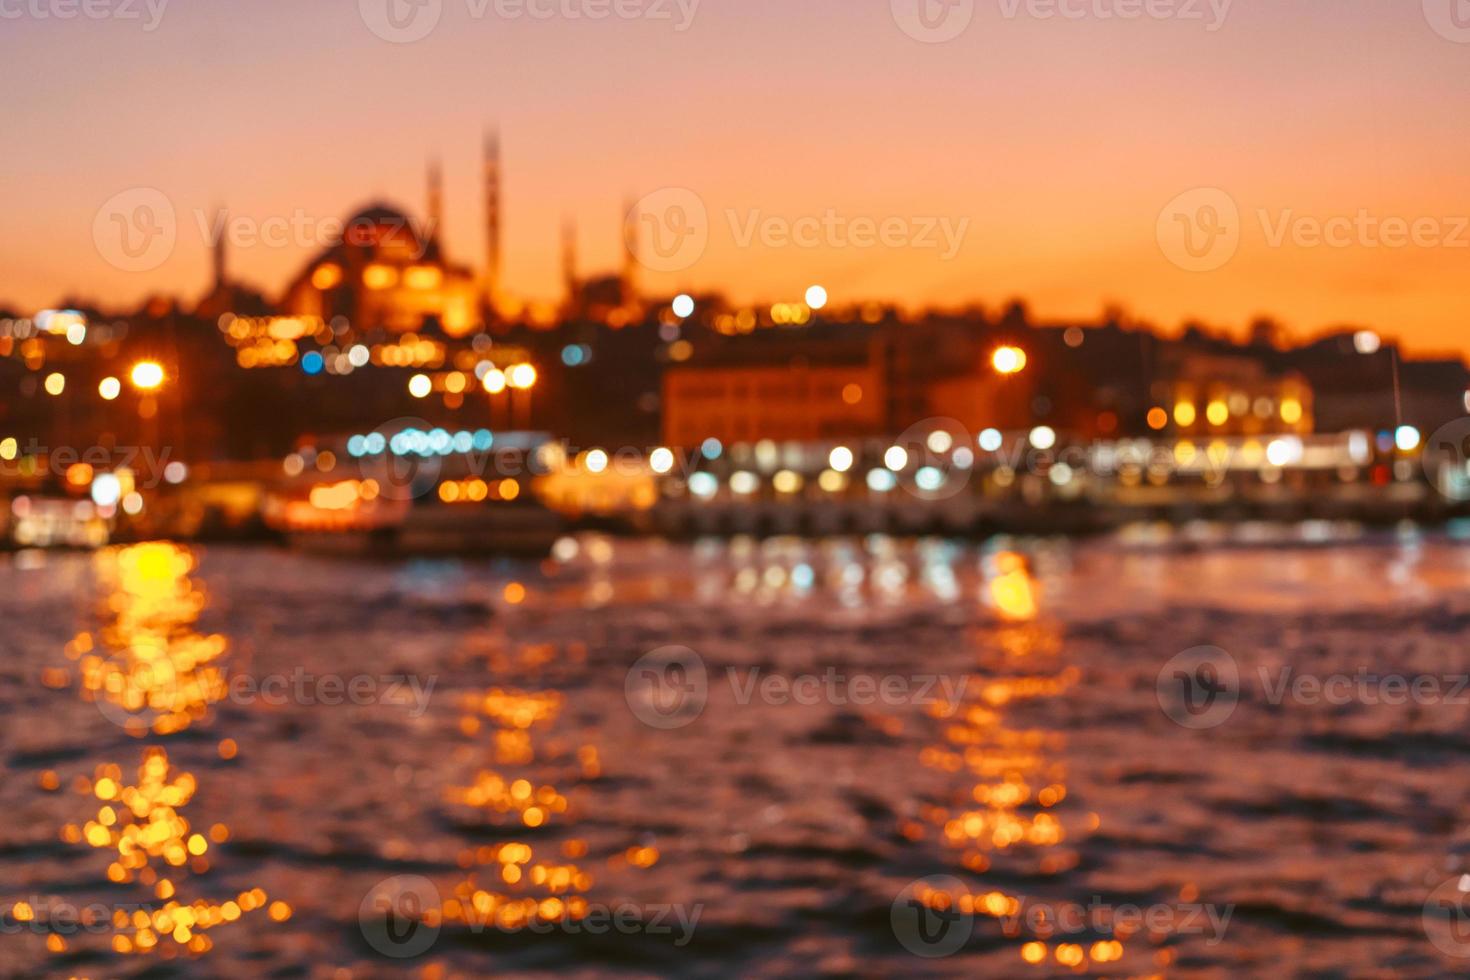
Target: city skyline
(1061, 198)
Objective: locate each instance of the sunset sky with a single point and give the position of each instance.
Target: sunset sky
(1058, 140)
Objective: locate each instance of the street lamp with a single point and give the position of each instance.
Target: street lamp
(1008, 360)
(521, 376)
(147, 375)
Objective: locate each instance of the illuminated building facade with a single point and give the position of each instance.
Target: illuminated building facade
(386, 274)
(1216, 394)
(744, 403)
(838, 382)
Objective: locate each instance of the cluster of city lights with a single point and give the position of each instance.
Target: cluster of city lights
(416, 442)
(1219, 411)
(146, 376)
(475, 490)
(494, 380)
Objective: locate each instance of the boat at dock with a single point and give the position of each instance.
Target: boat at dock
(414, 493)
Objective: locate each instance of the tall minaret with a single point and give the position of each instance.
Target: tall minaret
(630, 257)
(222, 224)
(569, 263)
(492, 216)
(436, 199)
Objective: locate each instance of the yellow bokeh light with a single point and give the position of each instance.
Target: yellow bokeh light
(522, 376)
(147, 375)
(109, 388)
(326, 276)
(419, 386)
(423, 277)
(1008, 360)
(55, 383)
(379, 276)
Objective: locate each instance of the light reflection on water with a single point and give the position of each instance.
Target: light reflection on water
(147, 661)
(528, 792)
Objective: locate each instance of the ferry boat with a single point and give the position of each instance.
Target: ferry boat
(417, 491)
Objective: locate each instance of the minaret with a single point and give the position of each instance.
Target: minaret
(492, 216)
(222, 216)
(436, 199)
(630, 258)
(569, 263)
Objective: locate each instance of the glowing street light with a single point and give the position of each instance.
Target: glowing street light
(521, 376)
(147, 375)
(1008, 360)
(816, 297)
(109, 388)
